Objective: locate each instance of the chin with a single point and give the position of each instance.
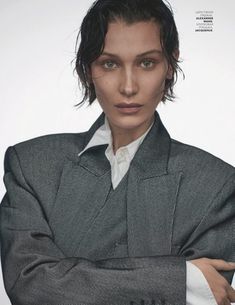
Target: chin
(129, 122)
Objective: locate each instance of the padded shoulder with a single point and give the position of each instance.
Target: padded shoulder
(42, 159)
(199, 165)
(64, 143)
(197, 156)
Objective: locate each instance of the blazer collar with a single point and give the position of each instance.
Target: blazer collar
(155, 147)
(89, 134)
(152, 157)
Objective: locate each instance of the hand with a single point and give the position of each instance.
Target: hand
(223, 292)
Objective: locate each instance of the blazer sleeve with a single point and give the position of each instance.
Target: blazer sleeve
(36, 272)
(214, 237)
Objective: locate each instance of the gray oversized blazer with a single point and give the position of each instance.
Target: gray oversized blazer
(180, 206)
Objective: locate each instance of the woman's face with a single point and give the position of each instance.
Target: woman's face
(131, 70)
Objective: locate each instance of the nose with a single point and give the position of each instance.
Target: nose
(128, 83)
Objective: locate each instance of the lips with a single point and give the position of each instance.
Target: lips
(128, 109)
(125, 105)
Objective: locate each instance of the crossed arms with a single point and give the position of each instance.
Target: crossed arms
(36, 271)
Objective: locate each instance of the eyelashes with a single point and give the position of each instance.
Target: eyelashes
(145, 64)
(148, 63)
(109, 65)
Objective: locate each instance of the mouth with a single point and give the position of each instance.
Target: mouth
(128, 108)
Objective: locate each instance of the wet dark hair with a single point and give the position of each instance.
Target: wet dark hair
(95, 26)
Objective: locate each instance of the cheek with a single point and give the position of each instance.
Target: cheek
(154, 86)
(155, 79)
(153, 89)
(100, 87)
(103, 90)
(105, 83)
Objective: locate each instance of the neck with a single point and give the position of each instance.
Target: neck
(122, 137)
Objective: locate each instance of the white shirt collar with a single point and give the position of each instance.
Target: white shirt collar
(101, 136)
(119, 162)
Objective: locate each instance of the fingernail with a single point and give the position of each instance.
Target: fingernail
(232, 263)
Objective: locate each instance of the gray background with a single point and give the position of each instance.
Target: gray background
(38, 89)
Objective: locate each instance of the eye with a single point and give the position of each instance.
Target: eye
(147, 63)
(109, 64)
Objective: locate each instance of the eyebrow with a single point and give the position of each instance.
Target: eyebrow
(139, 55)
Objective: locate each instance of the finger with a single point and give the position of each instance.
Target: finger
(223, 302)
(220, 264)
(231, 293)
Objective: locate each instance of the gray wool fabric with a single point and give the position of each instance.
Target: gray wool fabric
(107, 236)
(68, 238)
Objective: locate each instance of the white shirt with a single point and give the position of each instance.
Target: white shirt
(197, 287)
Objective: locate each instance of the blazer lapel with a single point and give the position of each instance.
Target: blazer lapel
(151, 196)
(84, 186)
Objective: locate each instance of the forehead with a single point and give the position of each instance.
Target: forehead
(139, 36)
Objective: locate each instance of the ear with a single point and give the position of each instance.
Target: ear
(176, 55)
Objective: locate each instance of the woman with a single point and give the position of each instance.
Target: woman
(96, 217)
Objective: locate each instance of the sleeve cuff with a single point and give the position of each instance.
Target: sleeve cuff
(197, 288)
